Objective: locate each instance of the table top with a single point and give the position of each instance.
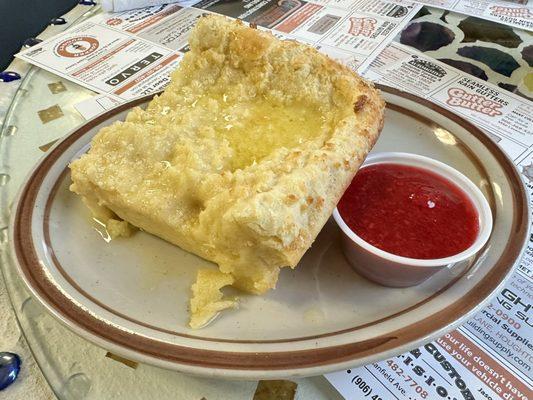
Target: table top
(41, 111)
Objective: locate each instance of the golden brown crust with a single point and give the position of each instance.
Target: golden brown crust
(252, 220)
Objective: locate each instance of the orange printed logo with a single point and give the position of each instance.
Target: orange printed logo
(362, 26)
(475, 102)
(77, 47)
(113, 21)
(511, 12)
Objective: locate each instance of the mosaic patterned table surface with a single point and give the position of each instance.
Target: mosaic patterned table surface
(42, 111)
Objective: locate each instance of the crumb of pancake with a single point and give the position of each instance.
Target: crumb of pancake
(207, 299)
(116, 228)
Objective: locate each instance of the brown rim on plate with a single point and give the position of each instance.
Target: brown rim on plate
(57, 302)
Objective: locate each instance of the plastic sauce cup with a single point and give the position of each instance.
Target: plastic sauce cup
(397, 271)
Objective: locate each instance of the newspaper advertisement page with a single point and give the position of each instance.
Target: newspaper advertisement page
(453, 367)
(130, 54)
(105, 60)
(506, 117)
(491, 355)
(354, 32)
(504, 327)
(515, 14)
(166, 25)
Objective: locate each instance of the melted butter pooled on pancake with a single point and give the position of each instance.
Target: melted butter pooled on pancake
(255, 128)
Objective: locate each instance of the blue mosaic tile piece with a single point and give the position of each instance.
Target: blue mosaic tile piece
(9, 76)
(9, 369)
(58, 21)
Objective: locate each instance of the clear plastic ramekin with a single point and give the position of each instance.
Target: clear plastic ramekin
(396, 271)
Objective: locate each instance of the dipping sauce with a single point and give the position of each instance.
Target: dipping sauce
(409, 211)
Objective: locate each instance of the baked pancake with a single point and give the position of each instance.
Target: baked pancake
(241, 160)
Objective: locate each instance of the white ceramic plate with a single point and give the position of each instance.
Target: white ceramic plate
(130, 295)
